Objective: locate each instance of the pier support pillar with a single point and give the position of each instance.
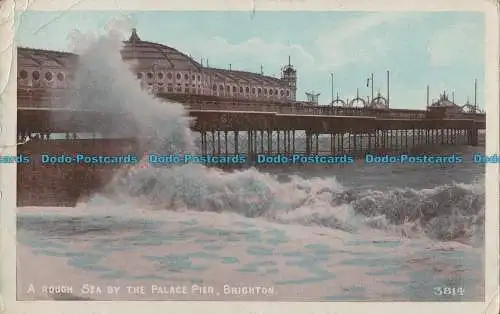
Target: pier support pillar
(308, 142)
(473, 136)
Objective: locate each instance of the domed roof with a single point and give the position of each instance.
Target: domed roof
(443, 102)
(135, 48)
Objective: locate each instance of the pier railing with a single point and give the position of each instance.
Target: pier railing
(49, 100)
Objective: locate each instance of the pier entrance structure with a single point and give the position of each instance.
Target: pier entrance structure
(234, 112)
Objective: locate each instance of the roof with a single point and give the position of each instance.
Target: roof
(245, 77)
(47, 58)
(135, 48)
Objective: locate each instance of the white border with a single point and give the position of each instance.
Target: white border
(8, 98)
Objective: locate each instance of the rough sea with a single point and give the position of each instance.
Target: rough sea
(353, 232)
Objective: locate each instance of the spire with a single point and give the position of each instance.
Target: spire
(261, 69)
(134, 37)
(289, 61)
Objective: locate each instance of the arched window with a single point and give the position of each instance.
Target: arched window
(228, 88)
(186, 77)
(139, 75)
(60, 77)
(178, 76)
(282, 93)
(241, 89)
(149, 75)
(36, 75)
(193, 77)
(247, 89)
(199, 78)
(160, 75)
(221, 88)
(215, 87)
(253, 90)
(23, 74)
(48, 76)
(276, 92)
(259, 90)
(288, 93)
(265, 91)
(169, 75)
(234, 89)
(271, 92)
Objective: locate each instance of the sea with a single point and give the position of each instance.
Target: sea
(188, 232)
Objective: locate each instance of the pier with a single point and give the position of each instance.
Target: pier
(226, 127)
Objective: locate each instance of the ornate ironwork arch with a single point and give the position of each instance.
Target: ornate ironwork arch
(356, 101)
(467, 108)
(379, 102)
(338, 102)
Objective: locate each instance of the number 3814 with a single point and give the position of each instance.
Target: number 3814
(453, 291)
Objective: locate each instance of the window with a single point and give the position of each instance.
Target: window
(247, 89)
(253, 90)
(150, 75)
(234, 89)
(259, 90)
(228, 89)
(265, 91)
(276, 92)
(282, 93)
(288, 93)
(23, 74)
(36, 75)
(271, 92)
(170, 89)
(169, 75)
(178, 76)
(186, 90)
(241, 89)
(186, 77)
(199, 77)
(139, 75)
(48, 76)
(215, 87)
(60, 77)
(193, 77)
(178, 89)
(160, 75)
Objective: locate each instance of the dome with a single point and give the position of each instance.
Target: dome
(289, 70)
(443, 102)
(148, 52)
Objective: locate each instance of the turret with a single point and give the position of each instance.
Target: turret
(289, 75)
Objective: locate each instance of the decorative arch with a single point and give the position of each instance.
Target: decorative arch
(357, 101)
(467, 108)
(339, 102)
(379, 102)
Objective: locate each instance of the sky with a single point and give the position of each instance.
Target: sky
(444, 50)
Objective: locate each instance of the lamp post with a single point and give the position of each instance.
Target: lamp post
(331, 74)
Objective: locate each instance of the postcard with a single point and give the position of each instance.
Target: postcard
(260, 157)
